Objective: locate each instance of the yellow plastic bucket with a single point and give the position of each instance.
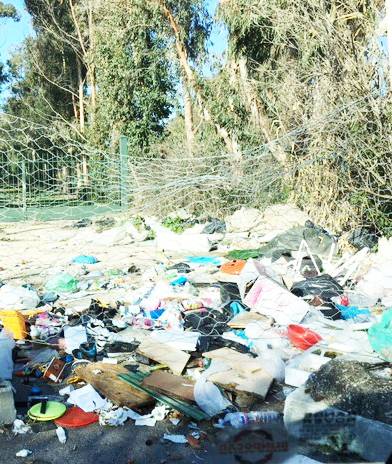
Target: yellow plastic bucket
(14, 322)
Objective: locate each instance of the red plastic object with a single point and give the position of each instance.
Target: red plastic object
(75, 418)
(344, 301)
(302, 337)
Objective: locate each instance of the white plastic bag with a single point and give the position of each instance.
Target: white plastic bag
(7, 344)
(271, 361)
(209, 398)
(18, 298)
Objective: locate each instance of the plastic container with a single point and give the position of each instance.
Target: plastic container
(6, 363)
(233, 267)
(14, 322)
(75, 418)
(301, 337)
(7, 406)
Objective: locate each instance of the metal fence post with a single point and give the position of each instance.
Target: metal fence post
(124, 171)
(24, 189)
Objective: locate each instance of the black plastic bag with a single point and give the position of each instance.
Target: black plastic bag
(363, 238)
(323, 288)
(214, 226)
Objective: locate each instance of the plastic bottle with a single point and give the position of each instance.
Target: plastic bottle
(241, 419)
(60, 432)
(7, 344)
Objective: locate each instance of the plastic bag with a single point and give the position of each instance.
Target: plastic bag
(85, 259)
(380, 336)
(214, 226)
(271, 361)
(18, 297)
(62, 283)
(7, 344)
(209, 398)
(323, 286)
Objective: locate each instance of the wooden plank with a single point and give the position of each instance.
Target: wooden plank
(162, 353)
(104, 378)
(243, 319)
(238, 361)
(170, 385)
(135, 379)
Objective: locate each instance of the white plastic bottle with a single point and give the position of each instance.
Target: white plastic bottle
(7, 344)
(241, 419)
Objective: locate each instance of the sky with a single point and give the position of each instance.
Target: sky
(13, 33)
(219, 33)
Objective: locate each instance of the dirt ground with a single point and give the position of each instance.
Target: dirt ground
(31, 253)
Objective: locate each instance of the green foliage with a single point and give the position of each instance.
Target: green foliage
(33, 96)
(140, 224)
(195, 23)
(250, 32)
(133, 74)
(43, 74)
(175, 224)
(8, 11)
(292, 73)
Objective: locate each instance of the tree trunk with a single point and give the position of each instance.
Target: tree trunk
(388, 19)
(75, 107)
(230, 141)
(188, 116)
(258, 115)
(91, 67)
(84, 49)
(81, 95)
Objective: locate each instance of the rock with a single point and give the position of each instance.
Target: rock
(307, 419)
(279, 218)
(350, 386)
(138, 233)
(244, 220)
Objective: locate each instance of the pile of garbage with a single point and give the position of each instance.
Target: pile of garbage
(263, 318)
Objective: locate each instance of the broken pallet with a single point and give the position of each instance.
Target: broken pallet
(104, 378)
